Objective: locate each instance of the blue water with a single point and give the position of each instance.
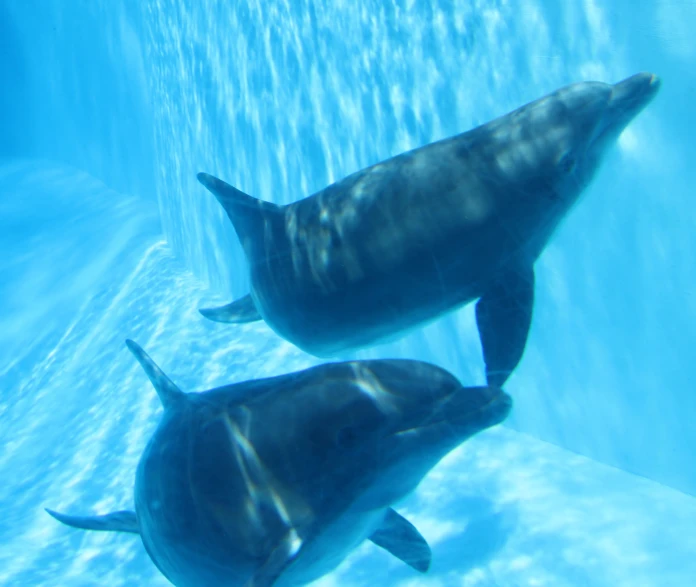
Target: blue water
(108, 110)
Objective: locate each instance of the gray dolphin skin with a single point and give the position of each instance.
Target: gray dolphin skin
(403, 242)
(273, 482)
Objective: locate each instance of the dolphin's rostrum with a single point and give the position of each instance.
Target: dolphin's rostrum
(405, 241)
(274, 481)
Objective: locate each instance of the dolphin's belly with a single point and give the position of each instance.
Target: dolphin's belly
(189, 497)
(330, 548)
(378, 307)
(208, 515)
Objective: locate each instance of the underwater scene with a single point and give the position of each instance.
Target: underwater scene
(330, 293)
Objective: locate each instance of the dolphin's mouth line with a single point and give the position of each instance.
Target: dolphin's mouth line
(442, 417)
(624, 105)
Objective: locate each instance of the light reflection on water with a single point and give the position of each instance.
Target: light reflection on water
(281, 99)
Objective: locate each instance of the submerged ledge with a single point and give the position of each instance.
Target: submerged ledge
(504, 509)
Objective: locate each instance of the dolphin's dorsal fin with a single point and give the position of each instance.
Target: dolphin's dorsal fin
(240, 311)
(401, 538)
(123, 521)
(167, 391)
(248, 214)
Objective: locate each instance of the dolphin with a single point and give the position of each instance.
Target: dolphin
(275, 481)
(407, 240)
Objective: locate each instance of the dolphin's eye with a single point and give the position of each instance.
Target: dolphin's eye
(346, 436)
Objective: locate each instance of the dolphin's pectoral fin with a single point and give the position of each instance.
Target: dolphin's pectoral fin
(280, 559)
(503, 315)
(240, 311)
(124, 521)
(399, 537)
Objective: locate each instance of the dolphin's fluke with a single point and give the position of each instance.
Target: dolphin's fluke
(123, 521)
(401, 538)
(240, 311)
(167, 391)
(246, 212)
